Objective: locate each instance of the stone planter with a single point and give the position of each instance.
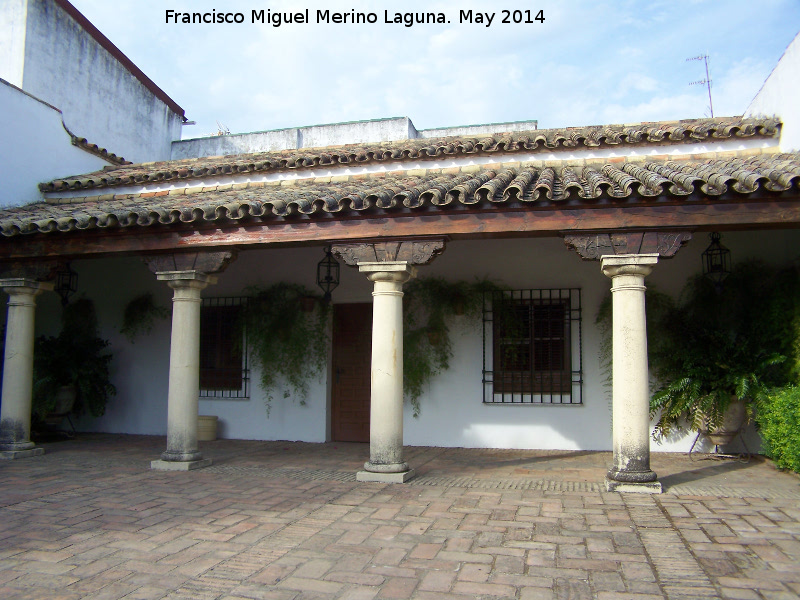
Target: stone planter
(732, 422)
(65, 402)
(206, 428)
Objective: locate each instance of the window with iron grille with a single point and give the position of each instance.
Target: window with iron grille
(532, 347)
(223, 349)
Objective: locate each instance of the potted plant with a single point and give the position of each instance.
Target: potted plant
(71, 370)
(719, 351)
(714, 352)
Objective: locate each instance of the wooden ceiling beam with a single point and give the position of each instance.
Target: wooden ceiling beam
(756, 214)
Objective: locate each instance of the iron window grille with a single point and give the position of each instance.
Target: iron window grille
(532, 347)
(224, 371)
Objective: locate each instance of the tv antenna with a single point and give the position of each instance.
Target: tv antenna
(706, 82)
(223, 130)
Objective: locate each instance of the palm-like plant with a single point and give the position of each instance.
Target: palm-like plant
(715, 347)
(77, 357)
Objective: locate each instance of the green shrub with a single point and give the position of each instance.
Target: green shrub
(778, 417)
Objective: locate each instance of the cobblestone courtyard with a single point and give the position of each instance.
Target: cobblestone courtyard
(287, 521)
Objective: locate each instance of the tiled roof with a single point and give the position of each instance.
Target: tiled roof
(517, 186)
(97, 150)
(696, 130)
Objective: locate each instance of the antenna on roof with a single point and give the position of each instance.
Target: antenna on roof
(222, 129)
(706, 81)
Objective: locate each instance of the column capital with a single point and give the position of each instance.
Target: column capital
(628, 264)
(388, 271)
(22, 285)
(181, 279)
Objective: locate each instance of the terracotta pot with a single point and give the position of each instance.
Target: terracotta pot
(435, 338)
(308, 303)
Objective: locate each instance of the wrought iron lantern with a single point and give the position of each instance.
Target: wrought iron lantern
(716, 261)
(66, 283)
(328, 274)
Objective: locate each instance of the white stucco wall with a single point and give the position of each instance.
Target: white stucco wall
(470, 130)
(452, 409)
(100, 99)
(780, 95)
(38, 149)
(12, 40)
(332, 134)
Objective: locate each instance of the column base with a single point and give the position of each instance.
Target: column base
(386, 467)
(170, 456)
(371, 476)
(646, 487)
(12, 454)
(171, 465)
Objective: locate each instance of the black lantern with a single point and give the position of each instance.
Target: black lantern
(716, 261)
(328, 274)
(66, 283)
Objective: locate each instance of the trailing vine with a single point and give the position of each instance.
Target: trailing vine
(287, 341)
(140, 316)
(430, 304)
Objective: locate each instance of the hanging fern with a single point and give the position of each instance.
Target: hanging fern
(287, 341)
(140, 316)
(430, 304)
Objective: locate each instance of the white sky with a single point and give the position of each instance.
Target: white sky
(590, 62)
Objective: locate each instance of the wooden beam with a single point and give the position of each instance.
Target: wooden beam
(758, 214)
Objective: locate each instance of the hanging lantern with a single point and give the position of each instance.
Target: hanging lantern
(328, 274)
(66, 283)
(716, 261)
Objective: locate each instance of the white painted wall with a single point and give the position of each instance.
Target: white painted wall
(470, 130)
(452, 409)
(38, 147)
(780, 95)
(66, 67)
(12, 40)
(332, 134)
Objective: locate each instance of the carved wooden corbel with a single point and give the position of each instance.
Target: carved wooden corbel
(40, 270)
(412, 252)
(592, 246)
(202, 262)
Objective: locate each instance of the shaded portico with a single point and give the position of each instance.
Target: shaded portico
(176, 220)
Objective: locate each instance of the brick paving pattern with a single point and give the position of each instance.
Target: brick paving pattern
(287, 521)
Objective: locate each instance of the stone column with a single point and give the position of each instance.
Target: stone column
(15, 416)
(184, 372)
(630, 471)
(187, 273)
(386, 404)
(388, 265)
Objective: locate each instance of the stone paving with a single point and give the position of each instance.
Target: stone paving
(287, 521)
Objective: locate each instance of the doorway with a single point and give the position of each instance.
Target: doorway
(352, 356)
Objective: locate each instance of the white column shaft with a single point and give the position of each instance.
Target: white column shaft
(630, 377)
(386, 404)
(15, 416)
(184, 370)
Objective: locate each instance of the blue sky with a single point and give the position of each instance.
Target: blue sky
(589, 63)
